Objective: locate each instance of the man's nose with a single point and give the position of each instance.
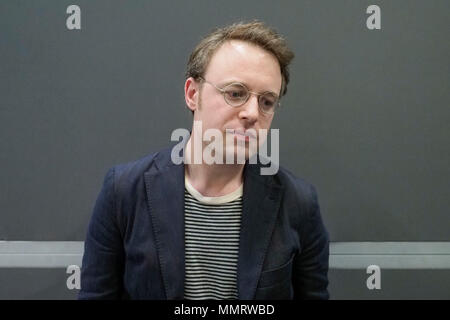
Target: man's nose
(250, 109)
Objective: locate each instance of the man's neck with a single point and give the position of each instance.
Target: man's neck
(212, 180)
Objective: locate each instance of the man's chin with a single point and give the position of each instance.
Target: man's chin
(238, 155)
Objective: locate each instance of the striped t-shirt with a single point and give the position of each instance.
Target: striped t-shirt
(212, 227)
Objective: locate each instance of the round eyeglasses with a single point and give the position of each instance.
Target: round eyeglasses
(236, 94)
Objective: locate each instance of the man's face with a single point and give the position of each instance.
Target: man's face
(246, 63)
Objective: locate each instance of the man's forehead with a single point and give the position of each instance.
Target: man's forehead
(242, 48)
(241, 61)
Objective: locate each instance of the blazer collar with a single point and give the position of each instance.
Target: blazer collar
(165, 194)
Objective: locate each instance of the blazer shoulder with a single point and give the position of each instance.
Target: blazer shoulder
(149, 163)
(302, 209)
(129, 176)
(133, 169)
(300, 196)
(301, 188)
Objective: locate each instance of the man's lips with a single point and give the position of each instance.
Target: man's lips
(242, 133)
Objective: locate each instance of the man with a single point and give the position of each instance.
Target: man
(197, 230)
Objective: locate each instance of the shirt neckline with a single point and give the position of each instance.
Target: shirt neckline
(213, 200)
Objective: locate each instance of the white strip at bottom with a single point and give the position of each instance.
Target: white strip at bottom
(343, 255)
(40, 254)
(390, 255)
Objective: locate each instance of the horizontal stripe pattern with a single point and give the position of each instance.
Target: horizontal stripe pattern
(211, 248)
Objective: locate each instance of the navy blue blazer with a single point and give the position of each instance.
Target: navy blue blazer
(134, 246)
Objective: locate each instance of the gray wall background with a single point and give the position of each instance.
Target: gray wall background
(366, 118)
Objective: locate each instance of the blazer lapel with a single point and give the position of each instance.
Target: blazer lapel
(261, 202)
(165, 194)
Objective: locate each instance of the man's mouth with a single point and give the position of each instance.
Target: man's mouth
(241, 134)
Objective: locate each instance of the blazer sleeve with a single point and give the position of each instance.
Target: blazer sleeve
(102, 265)
(310, 270)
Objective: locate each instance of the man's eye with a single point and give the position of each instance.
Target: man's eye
(268, 101)
(235, 94)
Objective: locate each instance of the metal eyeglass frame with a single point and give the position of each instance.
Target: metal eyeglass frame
(223, 91)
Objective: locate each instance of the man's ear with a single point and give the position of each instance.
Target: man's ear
(191, 93)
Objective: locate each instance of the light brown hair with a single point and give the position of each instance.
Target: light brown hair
(255, 32)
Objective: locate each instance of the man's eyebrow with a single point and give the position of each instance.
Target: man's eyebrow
(224, 84)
